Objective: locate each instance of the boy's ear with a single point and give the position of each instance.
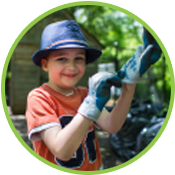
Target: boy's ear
(44, 65)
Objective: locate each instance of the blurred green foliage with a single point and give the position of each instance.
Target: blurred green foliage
(110, 26)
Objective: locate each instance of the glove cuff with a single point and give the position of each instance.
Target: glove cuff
(89, 109)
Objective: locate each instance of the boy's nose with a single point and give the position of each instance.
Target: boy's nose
(71, 66)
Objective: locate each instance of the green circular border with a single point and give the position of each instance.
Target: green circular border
(141, 21)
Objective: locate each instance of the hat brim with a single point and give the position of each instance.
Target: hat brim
(92, 54)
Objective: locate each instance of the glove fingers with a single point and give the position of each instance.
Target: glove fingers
(147, 38)
(146, 59)
(156, 54)
(155, 57)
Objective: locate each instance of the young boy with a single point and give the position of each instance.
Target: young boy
(60, 117)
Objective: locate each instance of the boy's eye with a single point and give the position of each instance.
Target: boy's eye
(61, 59)
(80, 58)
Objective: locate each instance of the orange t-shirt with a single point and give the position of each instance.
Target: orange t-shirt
(47, 107)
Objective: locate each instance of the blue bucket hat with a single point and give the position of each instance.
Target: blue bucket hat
(63, 35)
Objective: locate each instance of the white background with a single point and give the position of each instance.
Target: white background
(16, 15)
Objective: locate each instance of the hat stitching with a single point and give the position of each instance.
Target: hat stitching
(68, 41)
(71, 45)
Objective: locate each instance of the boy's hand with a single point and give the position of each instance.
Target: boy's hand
(99, 93)
(142, 59)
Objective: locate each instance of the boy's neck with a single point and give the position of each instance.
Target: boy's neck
(64, 93)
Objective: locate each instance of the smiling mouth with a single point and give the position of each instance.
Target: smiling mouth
(69, 75)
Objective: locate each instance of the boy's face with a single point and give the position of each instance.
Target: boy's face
(65, 68)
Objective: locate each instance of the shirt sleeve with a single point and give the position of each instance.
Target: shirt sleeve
(40, 115)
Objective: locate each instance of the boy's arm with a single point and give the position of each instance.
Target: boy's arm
(64, 142)
(113, 121)
(134, 68)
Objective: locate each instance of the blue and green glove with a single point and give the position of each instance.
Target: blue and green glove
(144, 57)
(99, 93)
(149, 39)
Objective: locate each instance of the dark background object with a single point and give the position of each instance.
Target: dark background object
(142, 124)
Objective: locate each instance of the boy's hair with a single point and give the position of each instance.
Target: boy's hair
(63, 35)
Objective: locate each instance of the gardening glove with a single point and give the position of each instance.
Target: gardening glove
(149, 39)
(99, 93)
(142, 59)
(138, 64)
